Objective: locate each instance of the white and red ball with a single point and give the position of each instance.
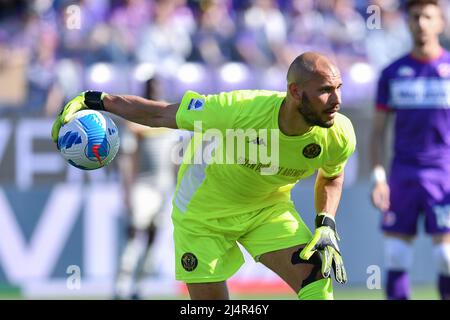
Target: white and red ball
(90, 140)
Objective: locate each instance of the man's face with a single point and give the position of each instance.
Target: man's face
(321, 99)
(425, 23)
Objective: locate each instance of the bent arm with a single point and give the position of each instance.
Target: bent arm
(328, 192)
(143, 111)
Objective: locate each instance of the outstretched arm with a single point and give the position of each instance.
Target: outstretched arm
(133, 108)
(143, 111)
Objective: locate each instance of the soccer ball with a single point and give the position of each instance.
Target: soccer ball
(90, 140)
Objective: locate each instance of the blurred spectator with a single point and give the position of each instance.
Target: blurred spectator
(34, 23)
(345, 29)
(391, 40)
(44, 92)
(13, 62)
(165, 42)
(306, 30)
(262, 35)
(127, 23)
(215, 35)
(76, 36)
(445, 36)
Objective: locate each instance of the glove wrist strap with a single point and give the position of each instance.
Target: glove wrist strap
(323, 220)
(93, 100)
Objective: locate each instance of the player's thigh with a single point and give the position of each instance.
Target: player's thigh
(405, 207)
(286, 263)
(208, 291)
(276, 236)
(274, 228)
(203, 253)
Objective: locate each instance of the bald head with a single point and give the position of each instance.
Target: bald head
(313, 90)
(309, 65)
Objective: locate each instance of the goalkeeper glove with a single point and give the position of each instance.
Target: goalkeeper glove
(325, 240)
(85, 100)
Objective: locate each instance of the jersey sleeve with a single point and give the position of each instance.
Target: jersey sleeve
(382, 97)
(202, 112)
(341, 148)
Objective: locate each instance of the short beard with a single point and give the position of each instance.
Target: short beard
(311, 117)
(419, 43)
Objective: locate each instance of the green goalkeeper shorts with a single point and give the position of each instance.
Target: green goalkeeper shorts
(206, 250)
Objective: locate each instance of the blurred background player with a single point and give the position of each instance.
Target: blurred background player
(148, 175)
(415, 88)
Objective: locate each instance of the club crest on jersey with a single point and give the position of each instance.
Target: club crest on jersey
(406, 71)
(443, 70)
(311, 151)
(189, 261)
(258, 141)
(196, 104)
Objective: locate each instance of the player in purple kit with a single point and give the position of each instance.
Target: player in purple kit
(416, 88)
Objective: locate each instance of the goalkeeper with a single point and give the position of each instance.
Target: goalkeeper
(217, 205)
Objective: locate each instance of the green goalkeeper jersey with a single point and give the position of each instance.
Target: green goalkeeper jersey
(239, 161)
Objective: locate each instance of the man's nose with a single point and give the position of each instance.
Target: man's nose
(335, 97)
(421, 23)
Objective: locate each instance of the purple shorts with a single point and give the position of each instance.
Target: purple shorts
(412, 196)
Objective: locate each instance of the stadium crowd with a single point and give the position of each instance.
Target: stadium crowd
(53, 49)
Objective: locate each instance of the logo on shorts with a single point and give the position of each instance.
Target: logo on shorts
(442, 216)
(389, 219)
(312, 150)
(189, 261)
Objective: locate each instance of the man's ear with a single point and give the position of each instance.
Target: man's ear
(295, 91)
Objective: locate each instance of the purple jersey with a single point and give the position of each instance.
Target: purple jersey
(419, 94)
